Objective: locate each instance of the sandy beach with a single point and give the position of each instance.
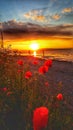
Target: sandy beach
(60, 78)
(61, 74)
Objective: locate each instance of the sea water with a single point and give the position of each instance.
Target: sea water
(59, 54)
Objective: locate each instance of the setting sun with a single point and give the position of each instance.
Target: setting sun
(34, 46)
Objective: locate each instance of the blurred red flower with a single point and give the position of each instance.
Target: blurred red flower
(35, 62)
(48, 63)
(4, 89)
(19, 71)
(9, 93)
(43, 69)
(46, 84)
(28, 74)
(60, 96)
(40, 118)
(20, 62)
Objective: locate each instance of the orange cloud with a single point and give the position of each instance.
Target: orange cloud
(56, 17)
(35, 15)
(0, 25)
(31, 14)
(67, 10)
(27, 15)
(40, 18)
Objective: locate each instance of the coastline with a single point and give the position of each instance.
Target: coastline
(61, 71)
(60, 80)
(60, 75)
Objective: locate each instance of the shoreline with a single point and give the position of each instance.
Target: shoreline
(55, 59)
(59, 78)
(60, 75)
(44, 58)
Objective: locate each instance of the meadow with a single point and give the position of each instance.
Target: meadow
(24, 86)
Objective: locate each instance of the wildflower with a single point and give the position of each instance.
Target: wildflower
(40, 118)
(35, 62)
(46, 84)
(43, 69)
(60, 96)
(28, 74)
(9, 93)
(48, 63)
(19, 71)
(4, 89)
(20, 62)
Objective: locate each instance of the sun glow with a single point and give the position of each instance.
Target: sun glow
(34, 53)
(34, 46)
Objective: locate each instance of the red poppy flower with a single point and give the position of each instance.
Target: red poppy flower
(28, 74)
(20, 62)
(4, 89)
(46, 84)
(48, 63)
(60, 96)
(35, 62)
(40, 118)
(19, 71)
(9, 93)
(43, 69)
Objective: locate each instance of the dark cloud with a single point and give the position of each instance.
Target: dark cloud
(18, 28)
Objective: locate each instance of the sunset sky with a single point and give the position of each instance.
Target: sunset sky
(49, 23)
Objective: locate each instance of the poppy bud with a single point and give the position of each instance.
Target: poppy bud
(60, 96)
(40, 118)
(28, 74)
